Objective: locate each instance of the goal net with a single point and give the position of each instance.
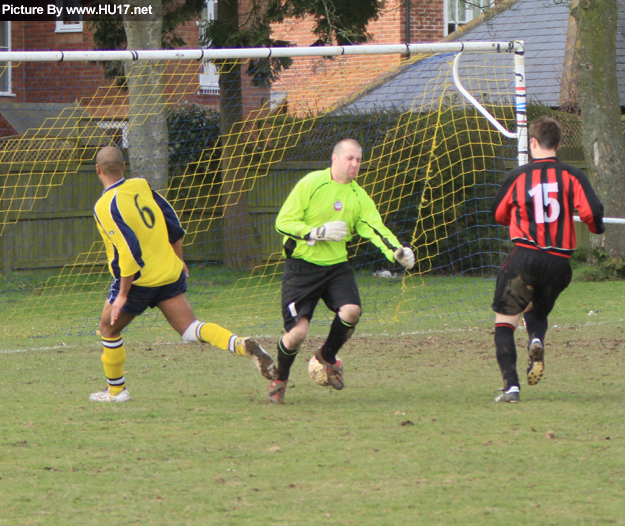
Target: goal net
(226, 153)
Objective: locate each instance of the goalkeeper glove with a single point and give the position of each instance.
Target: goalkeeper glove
(405, 256)
(334, 231)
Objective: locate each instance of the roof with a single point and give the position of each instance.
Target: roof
(542, 26)
(48, 119)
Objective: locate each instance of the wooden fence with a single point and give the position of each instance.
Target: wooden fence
(46, 213)
(46, 216)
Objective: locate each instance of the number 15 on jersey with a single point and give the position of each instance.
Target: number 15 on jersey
(542, 200)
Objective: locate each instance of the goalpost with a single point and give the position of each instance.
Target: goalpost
(440, 124)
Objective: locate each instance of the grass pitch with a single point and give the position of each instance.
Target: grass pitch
(414, 438)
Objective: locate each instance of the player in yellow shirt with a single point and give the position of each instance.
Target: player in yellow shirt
(317, 220)
(143, 240)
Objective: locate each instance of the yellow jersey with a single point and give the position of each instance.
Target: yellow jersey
(138, 227)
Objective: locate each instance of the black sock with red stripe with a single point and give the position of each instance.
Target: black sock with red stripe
(506, 354)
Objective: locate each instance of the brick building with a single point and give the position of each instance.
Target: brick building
(31, 85)
(31, 92)
(332, 79)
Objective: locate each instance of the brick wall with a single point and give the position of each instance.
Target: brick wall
(254, 99)
(426, 24)
(310, 83)
(6, 130)
(52, 82)
(427, 21)
(317, 83)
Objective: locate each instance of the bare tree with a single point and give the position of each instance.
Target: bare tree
(602, 128)
(147, 124)
(237, 246)
(155, 29)
(333, 21)
(336, 20)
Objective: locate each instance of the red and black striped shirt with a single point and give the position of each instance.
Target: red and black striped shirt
(537, 201)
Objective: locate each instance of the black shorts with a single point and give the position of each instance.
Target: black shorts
(140, 298)
(304, 284)
(529, 275)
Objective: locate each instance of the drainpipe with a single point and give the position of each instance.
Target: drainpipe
(408, 25)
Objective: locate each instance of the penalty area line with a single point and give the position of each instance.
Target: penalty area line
(38, 349)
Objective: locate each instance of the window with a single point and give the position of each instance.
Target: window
(68, 22)
(461, 12)
(5, 67)
(118, 130)
(209, 78)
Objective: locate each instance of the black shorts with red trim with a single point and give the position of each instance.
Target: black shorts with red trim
(530, 275)
(304, 284)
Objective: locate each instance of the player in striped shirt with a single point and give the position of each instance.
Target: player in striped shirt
(322, 213)
(536, 201)
(143, 240)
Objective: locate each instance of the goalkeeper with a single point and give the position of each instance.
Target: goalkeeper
(143, 240)
(319, 217)
(536, 201)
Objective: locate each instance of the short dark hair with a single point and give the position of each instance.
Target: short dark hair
(110, 160)
(546, 131)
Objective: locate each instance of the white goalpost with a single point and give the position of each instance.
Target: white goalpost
(248, 53)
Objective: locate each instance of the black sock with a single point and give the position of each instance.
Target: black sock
(340, 332)
(286, 357)
(506, 354)
(536, 327)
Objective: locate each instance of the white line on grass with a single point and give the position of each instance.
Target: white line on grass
(38, 349)
(356, 336)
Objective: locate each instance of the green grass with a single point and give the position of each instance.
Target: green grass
(40, 309)
(414, 438)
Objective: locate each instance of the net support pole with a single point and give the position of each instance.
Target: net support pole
(474, 101)
(606, 220)
(521, 104)
(520, 101)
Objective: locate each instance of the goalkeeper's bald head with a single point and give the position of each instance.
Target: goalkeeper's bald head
(340, 146)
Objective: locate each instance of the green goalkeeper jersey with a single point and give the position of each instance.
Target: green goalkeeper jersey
(317, 200)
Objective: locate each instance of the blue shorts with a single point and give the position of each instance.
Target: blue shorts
(140, 298)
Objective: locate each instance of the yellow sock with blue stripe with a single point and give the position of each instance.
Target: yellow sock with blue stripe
(113, 358)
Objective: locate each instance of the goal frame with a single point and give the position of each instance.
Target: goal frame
(516, 47)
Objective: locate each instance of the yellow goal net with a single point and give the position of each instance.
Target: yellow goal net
(226, 153)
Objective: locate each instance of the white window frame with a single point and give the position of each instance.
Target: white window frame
(117, 125)
(209, 78)
(459, 13)
(8, 91)
(67, 27)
